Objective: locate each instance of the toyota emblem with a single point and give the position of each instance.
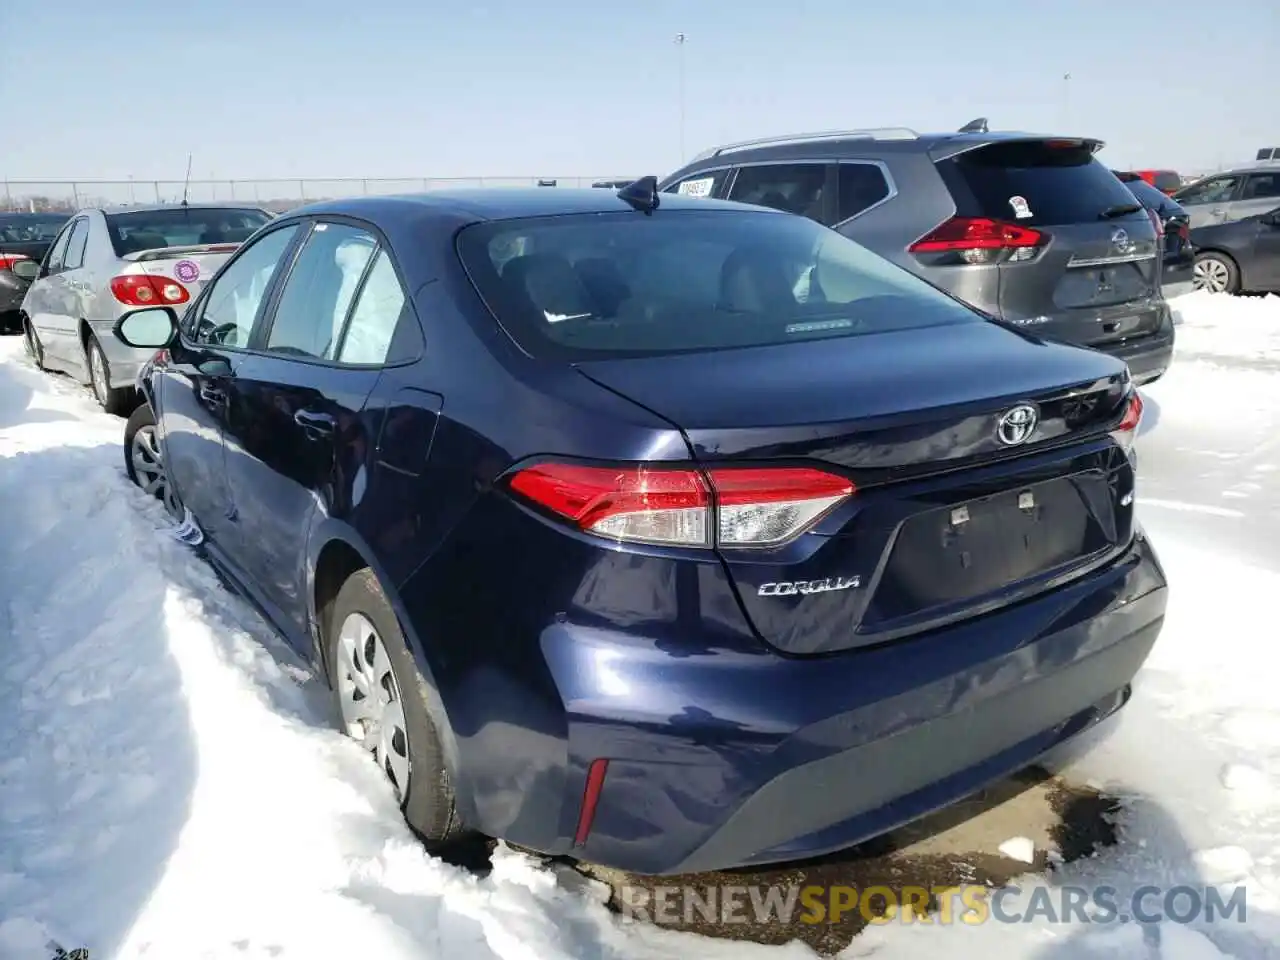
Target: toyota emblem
(1015, 426)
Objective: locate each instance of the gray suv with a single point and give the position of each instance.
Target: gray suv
(1032, 230)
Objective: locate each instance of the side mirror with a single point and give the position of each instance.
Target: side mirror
(26, 269)
(149, 328)
(1272, 219)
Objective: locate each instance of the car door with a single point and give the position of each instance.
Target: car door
(1266, 272)
(296, 438)
(76, 289)
(1207, 202)
(46, 300)
(190, 388)
(1260, 193)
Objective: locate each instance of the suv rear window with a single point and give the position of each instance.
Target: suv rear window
(1033, 182)
(140, 230)
(588, 287)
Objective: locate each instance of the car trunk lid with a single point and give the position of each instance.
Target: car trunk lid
(948, 519)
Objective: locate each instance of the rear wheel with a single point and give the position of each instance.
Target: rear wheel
(377, 687)
(1215, 273)
(112, 400)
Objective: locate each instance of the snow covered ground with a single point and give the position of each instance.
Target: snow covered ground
(170, 785)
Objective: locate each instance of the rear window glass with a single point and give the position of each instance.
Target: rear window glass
(586, 287)
(30, 228)
(140, 230)
(1146, 194)
(1033, 183)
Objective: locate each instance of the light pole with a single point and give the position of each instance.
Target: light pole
(680, 42)
(1066, 103)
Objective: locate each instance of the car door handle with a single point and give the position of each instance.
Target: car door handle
(317, 426)
(211, 394)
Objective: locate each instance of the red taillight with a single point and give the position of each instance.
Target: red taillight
(979, 240)
(1126, 431)
(1156, 222)
(590, 800)
(7, 260)
(146, 290)
(729, 506)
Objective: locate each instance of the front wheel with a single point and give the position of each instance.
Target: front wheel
(1215, 273)
(376, 686)
(143, 461)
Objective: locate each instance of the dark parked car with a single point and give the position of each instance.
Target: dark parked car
(1030, 229)
(23, 236)
(1173, 224)
(1243, 255)
(614, 543)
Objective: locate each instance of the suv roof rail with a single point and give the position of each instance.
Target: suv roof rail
(869, 133)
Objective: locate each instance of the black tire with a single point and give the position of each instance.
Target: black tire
(11, 322)
(141, 417)
(1233, 271)
(31, 340)
(430, 806)
(114, 400)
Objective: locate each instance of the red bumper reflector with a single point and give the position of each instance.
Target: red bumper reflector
(590, 797)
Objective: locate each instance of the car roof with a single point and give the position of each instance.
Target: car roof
(503, 203)
(835, 144)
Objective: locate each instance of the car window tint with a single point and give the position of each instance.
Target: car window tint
(585, 287)
(861, 185)
(319, 290)
(1034, 183)
(1214, 190)
(74, 258)
(139, 230)
(793, 187)
(1261, 186)
(379, 309)
(707, 184)
(30, 227)
(236, 294)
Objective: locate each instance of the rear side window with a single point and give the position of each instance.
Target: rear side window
(708, 184)
(1261, 186)
(1033, 182)
(140, 230)
(792, 187)
(861, 186)
(606, 285)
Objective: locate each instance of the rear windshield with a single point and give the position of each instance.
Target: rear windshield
(30, 227)
(592, 286)
(140, 230)
(1147, 195)
(1033, 182)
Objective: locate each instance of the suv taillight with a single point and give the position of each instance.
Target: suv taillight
(146, 290)
(981, 240)
(724, 506)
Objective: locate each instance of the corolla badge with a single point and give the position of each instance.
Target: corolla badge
(789, 588)
(1016, 425)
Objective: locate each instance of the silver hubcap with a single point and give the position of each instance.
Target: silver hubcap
(98, 374)
(1211, 275)
(148, 467)
(372, 710)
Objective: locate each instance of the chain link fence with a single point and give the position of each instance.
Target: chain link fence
(274, 195)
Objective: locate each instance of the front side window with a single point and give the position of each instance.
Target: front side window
(58, 251)
(319, 291)
(707, 184)
(1215, 190)
(613, 285)
(792, 187)
(236, 294)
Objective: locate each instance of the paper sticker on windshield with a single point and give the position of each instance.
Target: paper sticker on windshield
(1020, 208)
(186, 270)
(697, 188)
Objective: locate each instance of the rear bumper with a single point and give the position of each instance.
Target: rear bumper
(12, 292)
(722, 758)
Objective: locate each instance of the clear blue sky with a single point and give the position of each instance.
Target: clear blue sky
(336, 88)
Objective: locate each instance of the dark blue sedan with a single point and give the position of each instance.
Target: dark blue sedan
(661, 532)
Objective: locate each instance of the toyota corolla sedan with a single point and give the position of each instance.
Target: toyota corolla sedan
(664, 533)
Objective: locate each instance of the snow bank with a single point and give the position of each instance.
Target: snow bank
(1223, 329)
